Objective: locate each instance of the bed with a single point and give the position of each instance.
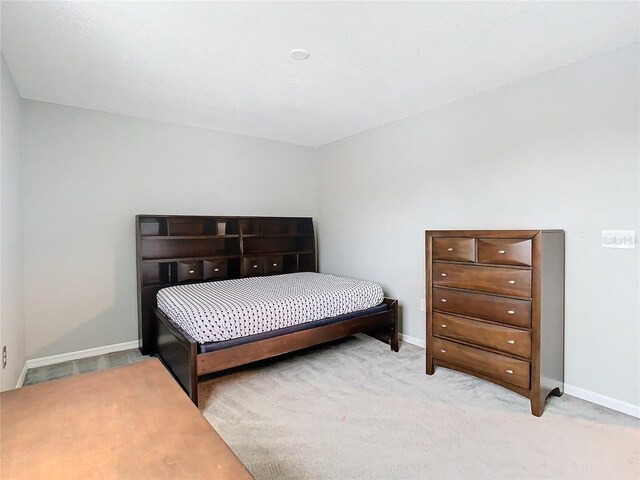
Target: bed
(219, 292)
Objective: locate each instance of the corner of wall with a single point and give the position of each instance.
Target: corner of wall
(12, 325)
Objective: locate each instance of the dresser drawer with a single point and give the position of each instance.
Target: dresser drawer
(507, 281)
(499, 309)
(253, 266)
(509, 370)
(189, 271)
(505, 339)
(215, 269)
(504, 251)
(455, 249)
(273, 264)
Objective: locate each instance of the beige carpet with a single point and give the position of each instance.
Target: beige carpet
(355, 410)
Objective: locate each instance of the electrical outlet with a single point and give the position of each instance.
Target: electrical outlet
(423, 305)
(4, 356)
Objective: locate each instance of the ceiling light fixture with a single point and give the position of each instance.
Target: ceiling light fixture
(299, 54)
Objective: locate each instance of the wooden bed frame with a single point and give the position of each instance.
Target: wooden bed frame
(173, 250)
(179, 352)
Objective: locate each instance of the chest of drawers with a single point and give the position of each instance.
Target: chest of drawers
(495, 307)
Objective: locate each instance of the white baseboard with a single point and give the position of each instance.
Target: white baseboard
(612, 403)
(22, 376)
(589, 396)
(65, 357)
(413, 340)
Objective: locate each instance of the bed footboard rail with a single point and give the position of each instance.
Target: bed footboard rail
(224, 359)
(178, 351)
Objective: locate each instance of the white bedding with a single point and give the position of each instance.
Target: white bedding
(228, 309)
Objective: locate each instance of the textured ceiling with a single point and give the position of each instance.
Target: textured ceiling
(226, 66)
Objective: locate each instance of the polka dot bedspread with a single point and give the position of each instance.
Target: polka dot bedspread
(228, 309)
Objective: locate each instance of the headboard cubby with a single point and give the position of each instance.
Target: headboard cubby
(178, 249)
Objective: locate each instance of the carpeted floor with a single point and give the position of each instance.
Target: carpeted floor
(355, 410)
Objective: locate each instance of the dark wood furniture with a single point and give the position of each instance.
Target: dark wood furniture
(127, 423)
(495, 307)
(172, 250)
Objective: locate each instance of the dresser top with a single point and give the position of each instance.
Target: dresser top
(490, 233)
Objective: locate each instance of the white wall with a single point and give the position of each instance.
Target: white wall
(12, 330)
(86, 174)
(558, 150)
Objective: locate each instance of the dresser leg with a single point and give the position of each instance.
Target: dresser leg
(537, 406)
(557, 392)
(539, 400)
(430, 368)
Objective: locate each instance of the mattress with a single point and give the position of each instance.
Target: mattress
(228, 309)
(234, 342)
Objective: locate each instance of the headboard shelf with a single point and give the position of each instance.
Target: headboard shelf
(185, 259)
(276, 235)
(186, 237)
(277, 252)
(182, 249)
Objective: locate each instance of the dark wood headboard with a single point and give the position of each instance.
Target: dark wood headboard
(178, 249)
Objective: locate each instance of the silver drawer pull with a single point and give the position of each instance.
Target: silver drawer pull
(444, 325)
(511, 312)
(192, 271)
(443, 274)
(443, 300)
(502, 252)
(443, 351)
(509, 371)
(511, 282)
(511, 342)
(216, 269)
(255, 266)
(450, 249)
(275, 264)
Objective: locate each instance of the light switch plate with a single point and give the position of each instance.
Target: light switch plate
(619, 238)
(423, 305)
